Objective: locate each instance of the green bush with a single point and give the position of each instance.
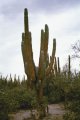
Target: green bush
(3, 107)
(20, 98)
(73, 103)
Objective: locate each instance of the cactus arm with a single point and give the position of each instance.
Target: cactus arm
(43, 51)
(41, 58)
(58, 66)
(26, 25)
(46, 37)
(69, 67)
(27, 49)
(55, 66)
(51, 58)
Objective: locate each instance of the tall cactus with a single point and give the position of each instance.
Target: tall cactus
(50, 66)
(37, 74)
(55, 67)
(27, 49)
(58, 65)
(69, 67)
(27, 52)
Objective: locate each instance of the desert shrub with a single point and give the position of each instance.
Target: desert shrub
(20, 98)
(73, 103)
(3, 107)
(54, 89)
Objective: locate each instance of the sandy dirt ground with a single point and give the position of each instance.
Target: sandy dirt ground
(54, 109)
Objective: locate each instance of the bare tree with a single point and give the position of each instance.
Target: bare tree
(76, 49)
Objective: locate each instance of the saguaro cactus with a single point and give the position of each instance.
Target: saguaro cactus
(69, 67)
(45, 66)
(55, 66)
(27, 50)
(58, 65)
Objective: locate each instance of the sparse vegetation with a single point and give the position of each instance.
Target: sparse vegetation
(45, 84)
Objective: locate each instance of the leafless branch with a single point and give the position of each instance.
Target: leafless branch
(76, 48)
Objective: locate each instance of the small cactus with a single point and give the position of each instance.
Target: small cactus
(69, 67)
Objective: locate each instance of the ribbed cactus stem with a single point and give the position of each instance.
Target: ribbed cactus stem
(26, 26)
(42, 40)
(69, 63)
(58, 65)
(22, 46)
(46, 40)
(51, 58)
(47, 60)
(55, 66)
(54, 48)
(26, 47)
(40, 58)
(69, 66)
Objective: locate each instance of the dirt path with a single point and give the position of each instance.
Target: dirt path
(54, 109)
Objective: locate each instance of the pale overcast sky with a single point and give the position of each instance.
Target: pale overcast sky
(62, 17)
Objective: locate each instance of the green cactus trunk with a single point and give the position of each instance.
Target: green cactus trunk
(37, 75)
(58, 66)
(69, 67)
